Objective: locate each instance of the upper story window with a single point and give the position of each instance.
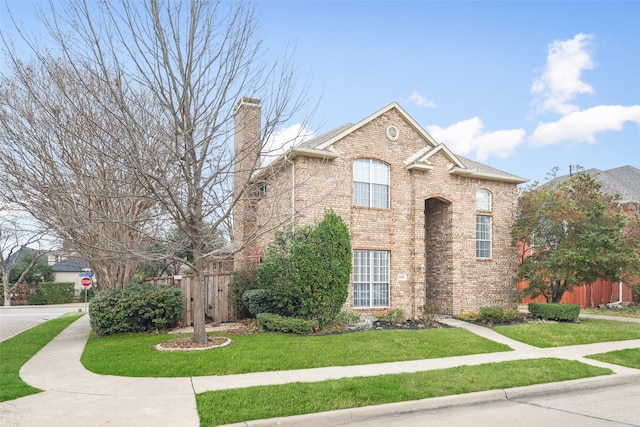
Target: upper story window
(483, 200)
(483, 224)
(370, 183)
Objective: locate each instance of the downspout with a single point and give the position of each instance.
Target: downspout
(619, 302)
(293, 192)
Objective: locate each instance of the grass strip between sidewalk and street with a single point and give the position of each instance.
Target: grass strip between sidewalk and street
(17, 350)
(631, 311)
(629, 357)
(558, 334)
(237, 405)
(132, 354)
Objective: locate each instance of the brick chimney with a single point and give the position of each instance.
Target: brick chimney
(247, 146)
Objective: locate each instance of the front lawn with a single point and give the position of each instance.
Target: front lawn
(586, 331)
(133, 355)
(630, 311)
(629, 357)
(16, 351)
(237, 405)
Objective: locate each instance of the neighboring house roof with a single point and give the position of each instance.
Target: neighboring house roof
(322, 147)
(16, 258)
(623, 181)
(70, 265)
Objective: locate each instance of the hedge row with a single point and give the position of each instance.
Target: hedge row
(52, 293)
(550, 311)
(289, 325)
(498, 315)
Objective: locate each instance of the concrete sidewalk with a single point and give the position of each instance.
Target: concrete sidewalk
(74, 396)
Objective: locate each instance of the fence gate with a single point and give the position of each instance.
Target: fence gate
(217, 303)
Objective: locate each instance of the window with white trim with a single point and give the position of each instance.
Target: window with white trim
(483, 224)
(370, 183)
(483, 200)
(370, 278)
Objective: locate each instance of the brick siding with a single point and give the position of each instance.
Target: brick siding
(429, 228)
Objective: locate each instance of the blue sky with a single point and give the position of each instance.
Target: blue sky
(520, 86)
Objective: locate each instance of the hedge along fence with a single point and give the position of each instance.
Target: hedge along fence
(53, 293)
(19, 294)
(549, 311)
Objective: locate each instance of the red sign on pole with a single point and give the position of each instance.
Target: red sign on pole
(86, 281)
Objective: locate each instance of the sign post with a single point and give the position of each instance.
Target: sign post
(86, 283)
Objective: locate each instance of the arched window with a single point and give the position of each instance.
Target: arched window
(370, 183)
(483, 224)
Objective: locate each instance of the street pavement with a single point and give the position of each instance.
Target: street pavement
(19, 318)
(74, 396)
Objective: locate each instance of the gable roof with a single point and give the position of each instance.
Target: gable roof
(322, 147)
(322, 142)
(623, 181)
(482, 171)
(420, 160)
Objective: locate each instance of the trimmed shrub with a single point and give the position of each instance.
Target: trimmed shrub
(243, 280)
(468, 316)
(52, 293)
(552, 311)
(393, 316)
(135, 308)
(348, 317)
(261, 301)
(308, 270)
(497, 315)
(288, 325)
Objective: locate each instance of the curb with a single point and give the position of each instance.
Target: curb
(354, 415)
(67, 305)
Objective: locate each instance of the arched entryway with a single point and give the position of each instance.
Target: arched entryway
(438, 232)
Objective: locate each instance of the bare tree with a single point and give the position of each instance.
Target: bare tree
(195, 59)
(59, 124)
(17, 235)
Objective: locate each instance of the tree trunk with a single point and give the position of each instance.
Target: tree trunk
(557, 292)
(199, 326)
(7, 295)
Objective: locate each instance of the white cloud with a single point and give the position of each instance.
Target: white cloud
(420, 101)
(468, 137)
(282, 140)
(561, 81)
(582, 126)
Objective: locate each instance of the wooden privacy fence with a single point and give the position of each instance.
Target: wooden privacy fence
(593, 295)
(217, 302)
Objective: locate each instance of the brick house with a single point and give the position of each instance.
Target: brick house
(430, 230)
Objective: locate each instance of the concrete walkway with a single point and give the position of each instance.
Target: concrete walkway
(74, 396)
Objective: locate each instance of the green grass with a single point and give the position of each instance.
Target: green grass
(132, 354)
(587, 331)
(631, 311)
(237, 405)
(16, 351)
(629, 357)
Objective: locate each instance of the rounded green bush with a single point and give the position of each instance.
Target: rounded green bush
(243, 280)
(552, 311)
(135, 308)
(309, 270)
